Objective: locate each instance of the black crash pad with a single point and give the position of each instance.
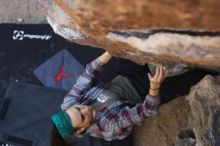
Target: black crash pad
(25, 113)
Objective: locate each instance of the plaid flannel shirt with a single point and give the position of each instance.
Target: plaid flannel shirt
(115, 121)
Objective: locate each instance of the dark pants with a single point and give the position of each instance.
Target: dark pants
(171, 88)
(139, 80)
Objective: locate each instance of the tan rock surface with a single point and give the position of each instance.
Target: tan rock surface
(204, 100)
(21, 11)
(162, 129)
(159, 32)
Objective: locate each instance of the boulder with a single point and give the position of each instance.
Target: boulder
(191, 122)
(175, 33)
(162, 129)
(204, 100)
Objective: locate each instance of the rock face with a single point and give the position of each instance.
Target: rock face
(162, 129)
(167, 32)
(25, 11)
(180, 122)
(204, 100)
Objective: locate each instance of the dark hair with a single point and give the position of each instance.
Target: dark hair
(56, 139)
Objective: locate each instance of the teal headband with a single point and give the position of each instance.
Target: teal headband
(63, 123)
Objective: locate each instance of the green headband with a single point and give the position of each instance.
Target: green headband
(63, 123)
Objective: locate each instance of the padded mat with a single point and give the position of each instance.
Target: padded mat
(27, 115)
(60, 71)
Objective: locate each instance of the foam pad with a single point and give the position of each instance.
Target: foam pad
(26, 111)
(60, 71)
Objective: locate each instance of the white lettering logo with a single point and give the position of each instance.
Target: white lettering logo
(20, 35)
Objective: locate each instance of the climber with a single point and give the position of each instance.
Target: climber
(108, 111)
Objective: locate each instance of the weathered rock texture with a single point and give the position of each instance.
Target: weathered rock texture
(21, 11)
(204, 100)
(162, 129)
(180, 122)
(164, 32)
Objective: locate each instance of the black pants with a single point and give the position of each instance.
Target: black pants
(139, 80)
(171, 88)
